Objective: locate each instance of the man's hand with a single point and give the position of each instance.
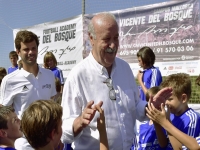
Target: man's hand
(85, 118)
(101, 120)
(161, 97)
(88, 113)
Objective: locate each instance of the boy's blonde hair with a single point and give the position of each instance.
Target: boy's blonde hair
(39, 120)
(4, 112)
(180, 83)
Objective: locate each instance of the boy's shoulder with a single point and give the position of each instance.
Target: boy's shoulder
(188, 122)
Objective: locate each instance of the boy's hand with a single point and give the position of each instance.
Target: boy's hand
(156, 115)
(101, 120)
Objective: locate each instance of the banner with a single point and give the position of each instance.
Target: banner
(171, 29)
(63, 38)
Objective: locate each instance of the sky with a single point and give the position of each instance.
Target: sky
(20, 14)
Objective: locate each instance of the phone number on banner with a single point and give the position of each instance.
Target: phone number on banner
(160, 50)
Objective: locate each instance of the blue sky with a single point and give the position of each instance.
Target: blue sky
(21, 13)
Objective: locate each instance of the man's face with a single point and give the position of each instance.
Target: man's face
(13, 60)
(28, 53)
(13, 124)
(106, 37)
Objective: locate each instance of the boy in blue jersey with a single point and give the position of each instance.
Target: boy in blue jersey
(146, 136)
(160, 117)
(182, 117)
(13, 59)
(9, 128)
(150, 76)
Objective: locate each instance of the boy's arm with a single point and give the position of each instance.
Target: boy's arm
(161, 136)
(102, 129)
(176, 136)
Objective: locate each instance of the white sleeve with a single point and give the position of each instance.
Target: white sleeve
(6, 93)
(72, 108)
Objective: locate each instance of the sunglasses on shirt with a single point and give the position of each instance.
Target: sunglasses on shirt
(112, 94)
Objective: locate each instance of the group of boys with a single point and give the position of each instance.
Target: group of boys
(35, 115)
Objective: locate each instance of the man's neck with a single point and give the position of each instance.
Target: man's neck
(32, 69)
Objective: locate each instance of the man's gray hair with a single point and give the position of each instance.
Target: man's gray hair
(91, 30)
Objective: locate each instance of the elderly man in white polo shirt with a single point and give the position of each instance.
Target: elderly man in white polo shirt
(29, 84)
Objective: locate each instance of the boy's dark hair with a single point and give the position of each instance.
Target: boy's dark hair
(25, 37)
(152, 92)
(47, 56)
(180, 83)
(3, 73)
(4, 112)
(147, 56)
(13, 54)
(38, 121)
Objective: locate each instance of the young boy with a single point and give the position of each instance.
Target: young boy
(9, 128)
(41, 124)
(150, 76)
(160, 117)
(146, 133)
(182, 117)
(13, 59)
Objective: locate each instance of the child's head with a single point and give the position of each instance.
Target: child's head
(50, 60)
(9, 124)
(3, 73)
(146, 57)
(181, 85)
(13, 58)
(152, 92)
(41, 123)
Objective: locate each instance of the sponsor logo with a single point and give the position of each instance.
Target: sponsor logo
(170, 67)
(178, 67)
(48, 86)
(25, 88)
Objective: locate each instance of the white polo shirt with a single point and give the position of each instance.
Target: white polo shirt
(21, 88)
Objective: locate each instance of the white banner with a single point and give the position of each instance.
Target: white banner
(171, 29)
(64, 38)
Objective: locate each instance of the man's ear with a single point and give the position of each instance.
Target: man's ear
(184, 98)
(3, 133)
(91, 38)
(17, 51)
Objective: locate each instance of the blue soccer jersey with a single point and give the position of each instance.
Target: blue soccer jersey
(11, 69)
(58, 73)
(151, 77)
(188, 122)
(147, 138)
